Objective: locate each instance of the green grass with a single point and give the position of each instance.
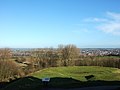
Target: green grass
(79, 73)
(68, 77)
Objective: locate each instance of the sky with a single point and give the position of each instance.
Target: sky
(48, 23)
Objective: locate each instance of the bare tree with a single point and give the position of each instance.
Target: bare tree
(5, 53)
(70, 54)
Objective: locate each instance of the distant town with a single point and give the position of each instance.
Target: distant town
(101, 51)
(83, 51)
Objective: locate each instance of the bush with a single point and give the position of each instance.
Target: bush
(9, 70)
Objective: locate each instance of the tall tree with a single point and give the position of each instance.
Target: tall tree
(70, 54)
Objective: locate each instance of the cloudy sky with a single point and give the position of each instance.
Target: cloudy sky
(47, 23)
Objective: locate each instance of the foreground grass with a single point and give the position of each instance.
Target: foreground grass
(68, 77)
(79, 73)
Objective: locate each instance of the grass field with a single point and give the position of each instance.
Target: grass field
(68, 77)
(79, 73)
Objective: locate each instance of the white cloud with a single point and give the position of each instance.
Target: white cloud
(95, 20)
(114, 16)
(110, 24)
(113, 28)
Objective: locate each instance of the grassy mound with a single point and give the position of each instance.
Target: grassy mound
(68, 77)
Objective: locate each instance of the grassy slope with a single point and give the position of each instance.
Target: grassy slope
(68, 77)
(78, 73)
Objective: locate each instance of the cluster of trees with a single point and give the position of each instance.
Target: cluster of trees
(105, 61)
(8, 68)
(65, 55)
(62, 56)
(50, 57)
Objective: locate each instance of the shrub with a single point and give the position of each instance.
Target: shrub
(9, 70)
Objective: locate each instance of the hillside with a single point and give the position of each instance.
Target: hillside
(68, 77)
